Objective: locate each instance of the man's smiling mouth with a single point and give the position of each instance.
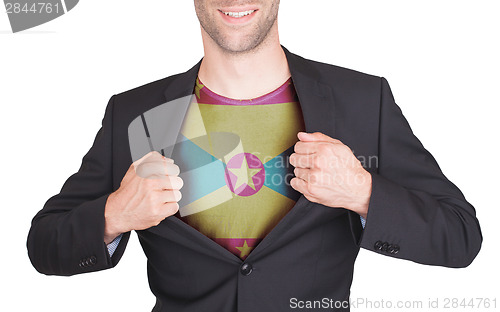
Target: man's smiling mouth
(239, 14)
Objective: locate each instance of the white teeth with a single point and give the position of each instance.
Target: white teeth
(239, 14)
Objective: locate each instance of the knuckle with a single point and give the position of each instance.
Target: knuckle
(313, 177)
(177, 195)
(153, 200)
(167, 183)
(342, 149)
(148, 183)
(172, 208)
(176, 169)
(144, 166)
(172, 169)
(142, 170)
(154, 210)
(325, 148)
(348, 150)
(297, 147)
(316, 172)
(321, 148)
(178, 182)
(317, 161)
(302, 161)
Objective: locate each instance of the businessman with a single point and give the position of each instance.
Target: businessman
(320, 163)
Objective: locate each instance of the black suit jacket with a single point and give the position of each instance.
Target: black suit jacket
(415, 212)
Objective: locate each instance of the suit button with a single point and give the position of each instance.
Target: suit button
(390, 249)
(246, 269)
(396, 249)
(384, 246)
(93, 260)
(378, 245)
(83, 263)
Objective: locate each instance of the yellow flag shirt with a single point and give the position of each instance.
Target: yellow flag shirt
(233, 157)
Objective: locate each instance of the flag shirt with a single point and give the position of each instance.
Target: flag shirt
(233, 156)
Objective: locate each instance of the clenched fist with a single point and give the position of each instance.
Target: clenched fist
(328, 173)
(148, 193)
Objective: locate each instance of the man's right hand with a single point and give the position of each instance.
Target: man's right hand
(148, 193)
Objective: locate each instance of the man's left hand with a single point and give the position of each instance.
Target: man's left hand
(327, 172)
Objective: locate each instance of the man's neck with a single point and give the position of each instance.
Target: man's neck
(246, 75)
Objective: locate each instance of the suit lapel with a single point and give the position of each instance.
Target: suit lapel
(182, 84)
(316, 98)
(318, 107)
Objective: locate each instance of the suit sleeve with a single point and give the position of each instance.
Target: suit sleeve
(67, 236)
(415, 212)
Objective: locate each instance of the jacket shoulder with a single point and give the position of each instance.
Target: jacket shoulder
(134, 102)
(153, 90)
(339, 75)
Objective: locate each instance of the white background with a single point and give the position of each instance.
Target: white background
(441, 59)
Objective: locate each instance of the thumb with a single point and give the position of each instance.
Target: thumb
(316, 137)
(147, 157)
(151, 157)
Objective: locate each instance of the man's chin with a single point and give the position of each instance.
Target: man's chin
(239, 45)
